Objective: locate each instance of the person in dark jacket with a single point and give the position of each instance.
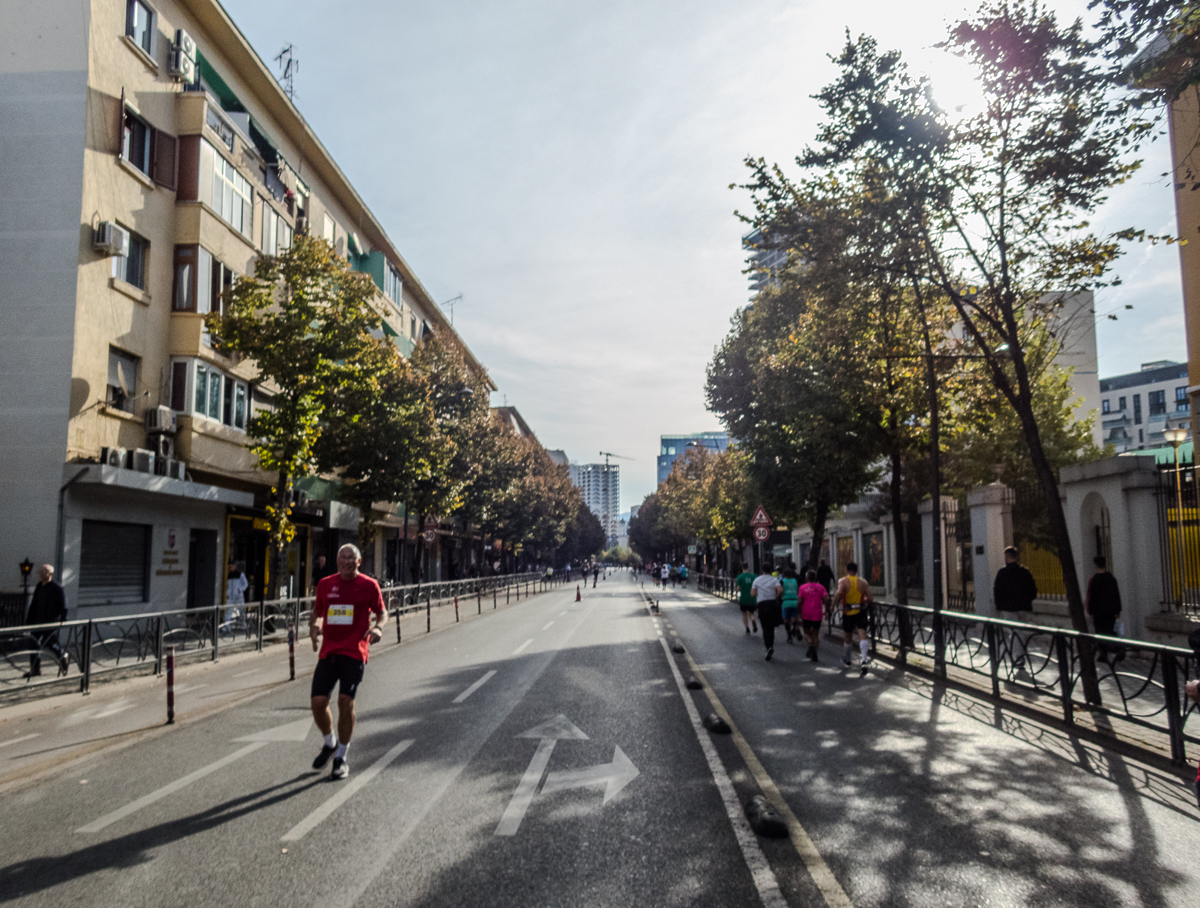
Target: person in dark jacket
(49, 604)
(1013, 593)
(1104, 605)
(825, 575)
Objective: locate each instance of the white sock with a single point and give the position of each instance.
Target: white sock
(864, 647)
(330, 740)
(340, 753)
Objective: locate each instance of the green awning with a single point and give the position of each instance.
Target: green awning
(389, 331)
(215, 84)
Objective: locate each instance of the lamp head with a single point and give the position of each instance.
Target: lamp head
(1176, 435)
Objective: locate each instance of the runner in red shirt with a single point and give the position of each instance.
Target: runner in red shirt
(342, 609)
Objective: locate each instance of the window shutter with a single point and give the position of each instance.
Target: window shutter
(166, 162)
(121, 125)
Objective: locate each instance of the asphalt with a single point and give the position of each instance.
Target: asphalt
(908, 793)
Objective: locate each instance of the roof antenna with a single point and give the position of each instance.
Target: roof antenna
(450, 303)
(289, 65)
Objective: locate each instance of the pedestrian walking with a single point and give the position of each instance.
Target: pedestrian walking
(595, 575)
(342, 621)
(790, 586)
(825, 575)
(664, 573)
(683, 575)
(854, 596)
(48, 605)
(1104, 605)
(767, 590)
(812, 597)
(1013, 593)
(236, 585)
(747, 602)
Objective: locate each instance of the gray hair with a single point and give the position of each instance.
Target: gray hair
(353, 548)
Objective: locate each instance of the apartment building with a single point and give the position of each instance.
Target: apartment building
(149, 158)
(600, 485)
(673, 447)
(1137, 406)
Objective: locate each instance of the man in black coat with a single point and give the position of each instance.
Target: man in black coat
(49, 604)
(1013, 592)
(1104, 605)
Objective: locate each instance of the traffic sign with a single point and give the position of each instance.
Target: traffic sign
(762, 534)
(430, 534)
(691, 550)
(760, 518)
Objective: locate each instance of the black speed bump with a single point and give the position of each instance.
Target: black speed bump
(717, 725)
(677, 648)
(764, 820)
(693, 684)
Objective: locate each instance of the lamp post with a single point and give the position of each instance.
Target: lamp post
(26, 567)
(1176, 437)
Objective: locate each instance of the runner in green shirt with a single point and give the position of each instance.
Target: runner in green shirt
(746, 599)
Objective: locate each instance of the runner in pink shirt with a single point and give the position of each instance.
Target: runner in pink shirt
(812, 610)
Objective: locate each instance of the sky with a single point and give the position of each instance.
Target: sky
(565, 165)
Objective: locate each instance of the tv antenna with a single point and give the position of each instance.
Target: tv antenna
(289, 65)
(450, 303)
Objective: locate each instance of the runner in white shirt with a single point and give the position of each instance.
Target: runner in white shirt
(767, 590)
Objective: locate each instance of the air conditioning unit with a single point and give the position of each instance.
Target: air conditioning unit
(114, 457)
(161, 465)
(183, 67)
(299, 499)
(177, 469)
(184, 44)
(163, 448)
(143, 460)
(111, 239)
(160, 420)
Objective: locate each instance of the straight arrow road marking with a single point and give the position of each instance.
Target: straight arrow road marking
(310, 822)
(146, 800)
(518, 650)
(548, 734)
(474, 687)
(614, 776)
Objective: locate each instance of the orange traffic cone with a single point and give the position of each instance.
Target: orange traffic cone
(578, 597)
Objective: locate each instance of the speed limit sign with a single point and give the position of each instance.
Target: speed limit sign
(430, 534)
(762, 534)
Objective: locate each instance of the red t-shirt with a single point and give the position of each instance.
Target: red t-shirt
(812, 601)
(345, 609)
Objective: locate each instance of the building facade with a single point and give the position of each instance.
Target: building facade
(1137, 406)
(600, 485)
(159, 158)
(672, 447)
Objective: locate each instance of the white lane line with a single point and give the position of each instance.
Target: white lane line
(756, 861)
(548, 626)
(514, 813)
(305, 826)
(518, 650)
(146, 800)
(20, 739)
(474, 687)
(188, 688)
(253, 671)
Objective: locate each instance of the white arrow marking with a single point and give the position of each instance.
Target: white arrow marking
(291, 731)
(305, 826)
(614, 776)
(549, 733)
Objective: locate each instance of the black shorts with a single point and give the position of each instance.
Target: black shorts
(811, 624)
(852, 623)
(337, 669)
(748, 608)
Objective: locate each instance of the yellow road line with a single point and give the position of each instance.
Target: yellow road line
(835, 896)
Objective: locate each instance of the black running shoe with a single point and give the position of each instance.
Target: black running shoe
(754, 624)
(341, 769)
(862, 669)
(323, 756)
(770, 652)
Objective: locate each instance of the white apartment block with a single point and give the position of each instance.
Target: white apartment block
(149, 157)
(1137, 406)
(601, 489)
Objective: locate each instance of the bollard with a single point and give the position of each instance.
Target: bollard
(479, 600)
(493, 596)
(428, 614)
(456, 608)
(292, 651)
(578, 596)
(170, 685)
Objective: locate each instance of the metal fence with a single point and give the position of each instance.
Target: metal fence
(54, 657)
(1179, 538)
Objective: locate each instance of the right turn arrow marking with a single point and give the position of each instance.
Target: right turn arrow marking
(615, 776)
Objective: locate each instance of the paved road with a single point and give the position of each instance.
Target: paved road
(548, 754)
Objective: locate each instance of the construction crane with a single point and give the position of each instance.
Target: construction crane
(609, 539)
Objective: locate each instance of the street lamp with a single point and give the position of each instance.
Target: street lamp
(26, 567)
(1176, 437)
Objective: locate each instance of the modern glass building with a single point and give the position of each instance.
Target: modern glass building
(672, 447)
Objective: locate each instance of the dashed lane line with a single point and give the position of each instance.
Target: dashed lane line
(474, 687)
(20, 739)
(521, 648)
(548, 626)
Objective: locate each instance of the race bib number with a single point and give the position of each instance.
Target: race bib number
(340, 614)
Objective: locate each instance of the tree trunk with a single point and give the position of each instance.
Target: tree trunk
(898, 525)
(282, 493)
(820, 516)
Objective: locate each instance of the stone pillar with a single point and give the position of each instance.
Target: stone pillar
(991, 533)
(890, 573)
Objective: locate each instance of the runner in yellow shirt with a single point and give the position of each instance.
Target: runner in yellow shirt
(854, 596)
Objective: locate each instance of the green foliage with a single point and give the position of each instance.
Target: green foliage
(584, 536)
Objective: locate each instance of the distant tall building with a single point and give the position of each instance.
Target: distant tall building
(673, 447)
(1137, 406)
(559, 456)
(764, 262)
(601, 488)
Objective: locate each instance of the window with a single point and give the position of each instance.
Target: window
(671, 451)
(412, 327)
(277, 234)
(220, 126)
(1106, 406)
(179, 386)
(1158, 402)
(393, 285)
(136, 136)
(122, 380)
(183, 294)
(1137, 410)
(1182, 404)
(214, 395)
(1121, 404)
(132, 268)
(231, 198)
(139, 25)
(114, 563)
(327, 229)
